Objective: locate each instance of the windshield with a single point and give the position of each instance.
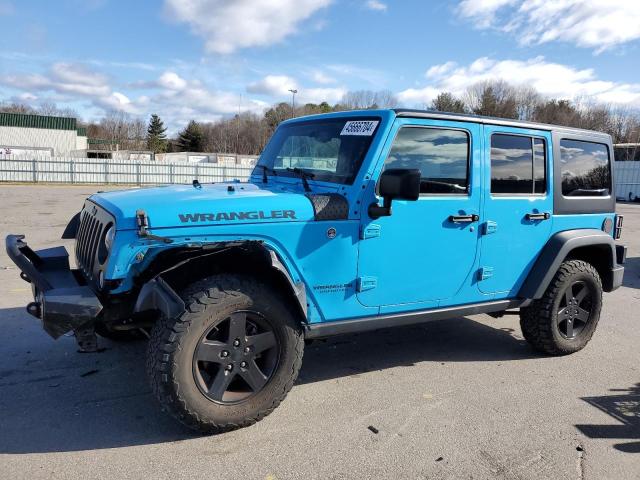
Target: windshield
(332, 149)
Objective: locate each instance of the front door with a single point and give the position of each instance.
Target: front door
(517, 206)
(421, 255)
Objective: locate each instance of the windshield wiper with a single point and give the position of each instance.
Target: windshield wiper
(303, 175)
(266, 169)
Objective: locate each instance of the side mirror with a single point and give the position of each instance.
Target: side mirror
(396, 184)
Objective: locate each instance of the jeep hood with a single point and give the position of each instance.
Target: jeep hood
(213, 204)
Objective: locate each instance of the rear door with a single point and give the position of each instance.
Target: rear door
(517, 207)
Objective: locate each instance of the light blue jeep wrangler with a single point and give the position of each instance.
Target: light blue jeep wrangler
(351, 221)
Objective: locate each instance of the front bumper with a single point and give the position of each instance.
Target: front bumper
(61, 300)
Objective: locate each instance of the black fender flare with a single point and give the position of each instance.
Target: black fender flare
(558, 247)
(71, 230)
(157, 294)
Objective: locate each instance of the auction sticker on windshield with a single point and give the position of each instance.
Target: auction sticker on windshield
(359, 127)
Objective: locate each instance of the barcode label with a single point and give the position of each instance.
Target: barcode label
(359, 127)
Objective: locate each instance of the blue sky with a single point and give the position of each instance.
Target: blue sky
(203, 59)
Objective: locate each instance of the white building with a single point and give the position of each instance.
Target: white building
(40, 135)
(204, 157)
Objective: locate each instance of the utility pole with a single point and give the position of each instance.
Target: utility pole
(238, 128)
(293, 101)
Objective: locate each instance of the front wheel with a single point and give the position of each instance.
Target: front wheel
(230, 359)
(564, 319)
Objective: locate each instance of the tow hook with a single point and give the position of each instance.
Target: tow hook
(35, 309)
(86, 339)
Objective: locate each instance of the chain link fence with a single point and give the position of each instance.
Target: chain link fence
(107, 171)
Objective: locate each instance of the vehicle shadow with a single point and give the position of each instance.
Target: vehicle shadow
(55, 400)
(632, 273)
(625, 408)
(442, 341)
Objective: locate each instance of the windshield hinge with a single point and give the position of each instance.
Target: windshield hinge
(143, 228)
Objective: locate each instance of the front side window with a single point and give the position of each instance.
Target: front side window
(585, 168)
(517, 164)
(331, 149)
(441, 155)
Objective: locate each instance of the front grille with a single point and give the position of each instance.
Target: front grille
(93, 222)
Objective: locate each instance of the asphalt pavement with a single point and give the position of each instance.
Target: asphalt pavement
(464, 398)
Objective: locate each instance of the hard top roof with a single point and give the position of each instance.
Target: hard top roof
(466, 117)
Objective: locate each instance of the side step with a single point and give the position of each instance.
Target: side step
(329, 329)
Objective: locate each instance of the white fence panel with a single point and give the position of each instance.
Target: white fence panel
(109, 171)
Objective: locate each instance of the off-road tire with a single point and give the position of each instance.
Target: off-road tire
(539, 321)
(174, 340)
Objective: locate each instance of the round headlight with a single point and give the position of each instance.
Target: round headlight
(108, 238)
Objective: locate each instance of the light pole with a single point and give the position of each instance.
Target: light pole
(293, 101)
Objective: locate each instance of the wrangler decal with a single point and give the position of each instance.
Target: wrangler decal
(228, 216)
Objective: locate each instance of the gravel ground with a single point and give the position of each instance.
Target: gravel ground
(460, 398)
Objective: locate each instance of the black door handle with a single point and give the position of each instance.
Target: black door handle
(464, 218)
(538, 216)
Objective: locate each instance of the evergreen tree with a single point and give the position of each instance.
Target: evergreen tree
(156, 137)
(191, 139)
(446, 102)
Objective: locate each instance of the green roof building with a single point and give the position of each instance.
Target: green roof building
(40, 135)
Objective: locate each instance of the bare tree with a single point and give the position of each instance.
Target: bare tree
(50, 108)
(492, 98)
(368, 99)
(16, 108)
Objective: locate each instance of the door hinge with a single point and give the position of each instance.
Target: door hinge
(490, 227)
(366, 283)
(370, 231)
(485, 272)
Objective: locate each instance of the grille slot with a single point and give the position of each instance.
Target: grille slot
(87, 242)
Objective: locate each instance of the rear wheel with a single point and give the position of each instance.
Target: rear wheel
(230, 359)
(564, 319)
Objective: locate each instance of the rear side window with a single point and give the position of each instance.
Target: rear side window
(586, 169)
(518, 164)
(441, 155)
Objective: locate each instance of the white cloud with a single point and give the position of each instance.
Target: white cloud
(229, 25)
(172, 81)
(376, 5)
(64, 78)
(27, 97)
(277, 87)
(273, 85)
(176, 98)
(550, 79)
(322, 78)
(319, 95)
(439, 70)
(597, 24)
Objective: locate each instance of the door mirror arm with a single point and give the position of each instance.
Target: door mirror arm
(395, 184)
(377, 211)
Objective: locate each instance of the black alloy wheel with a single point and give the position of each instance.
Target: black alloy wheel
(574, 312)
(564, 319)
(236, 357)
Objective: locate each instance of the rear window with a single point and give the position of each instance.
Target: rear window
(585, 167)
(518, 165)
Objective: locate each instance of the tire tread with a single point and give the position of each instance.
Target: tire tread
(165, 338)
(536, 320)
